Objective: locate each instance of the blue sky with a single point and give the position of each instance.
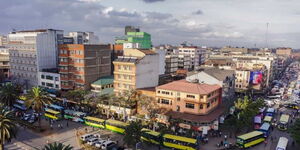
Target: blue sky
(201, 22)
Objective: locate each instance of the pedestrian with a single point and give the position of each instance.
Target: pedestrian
(51, 126)
(58, 125)
(221, 143)
(220, 134)
(67, 124)
(293, 143)
(225, 137)
(266, 142)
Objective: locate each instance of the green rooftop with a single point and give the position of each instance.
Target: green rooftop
(104, 81)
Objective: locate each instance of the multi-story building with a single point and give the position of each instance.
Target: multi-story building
(49, 79)
(3, 40)
(80, 65)
(31, 51)
(4, 63)
(252, 77)
(211, 75)
(184, 62)
(161, 61)
(105, 85)
(196, 55)
(284, 51)
(140, 40)
(83, 38)
(136, 69)
(220, 62)
(237, 50)
(171, 64)
(194, 103)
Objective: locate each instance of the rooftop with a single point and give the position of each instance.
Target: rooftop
(126, 59)
(147, 52)
(189, 87)
(104, 80)
(197, 118)
(219, 74)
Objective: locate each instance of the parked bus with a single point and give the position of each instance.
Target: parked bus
(283, 122)
(179, 142)
(270, 112)
(265, 128)
(20, 104)
(250, 139)
(116, 126)
(94, 122)
(282, 143)
(150, 136)
(52, 114)
(76, 116)
(268, 119)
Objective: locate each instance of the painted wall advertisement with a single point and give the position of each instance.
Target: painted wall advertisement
(256, 77)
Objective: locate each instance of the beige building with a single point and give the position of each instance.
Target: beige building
(136, 69)
(284, 51)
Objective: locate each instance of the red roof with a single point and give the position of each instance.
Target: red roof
(189, 87)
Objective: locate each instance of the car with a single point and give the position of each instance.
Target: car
(107, 144)
(99, 143)
(92, 141)
(86, 137)
(96, 135)
(26, 117)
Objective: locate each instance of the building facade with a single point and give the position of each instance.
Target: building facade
(80, 65)
(141, 40)
(31, 51)
(4, 64)
(136, 69)
(171, 64)
(49, 78)
(83, 38)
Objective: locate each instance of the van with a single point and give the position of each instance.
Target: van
(85, 137)
(107, 144)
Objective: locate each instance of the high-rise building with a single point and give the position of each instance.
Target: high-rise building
(196, 55)
(136, 69)
(83, 38)
(80, 65)
(31, 51)
(131, 29)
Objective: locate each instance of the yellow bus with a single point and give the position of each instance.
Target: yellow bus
(268, 119)
(52, 114)
(94, 122)
(116, 126)
(283, 122)
(150, 136)
(250, 139)
(179, 142)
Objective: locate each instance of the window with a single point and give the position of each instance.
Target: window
(189, 105)
(49, 84)
(190, 96)
(56, 86)
(208, 105)
(42, 76)
(201, 106)
(49, 77)
(158, 92)
(165, 101)
(43, 83)
(56, 78)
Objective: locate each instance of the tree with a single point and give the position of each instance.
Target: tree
(8, 129)
(57, 146)
(133, 133)
(128, 98)
(9, 93)
(108, 100)
(241, 104)
(294, 130)
(76, 95)
(149, 105)
(37, 99)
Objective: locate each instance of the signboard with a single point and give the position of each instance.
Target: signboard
(256, 77)
(185, 126)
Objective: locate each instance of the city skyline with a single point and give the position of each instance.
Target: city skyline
(211, 23)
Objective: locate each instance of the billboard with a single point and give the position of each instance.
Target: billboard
(256, 77)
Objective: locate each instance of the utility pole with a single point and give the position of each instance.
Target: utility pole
(267, 45)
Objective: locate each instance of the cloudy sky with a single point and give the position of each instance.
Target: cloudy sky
(201, 22)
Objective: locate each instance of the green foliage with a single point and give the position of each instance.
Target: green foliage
(243, 118)
(294, 130)
(37, 99)
(76, 95)
(133, 133)
(8, 129)
(9, 93)
(57, 146)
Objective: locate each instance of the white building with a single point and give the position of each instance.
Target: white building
(48, 79)
(197, 56)
(84, 38)
(32, 51)
(161, 61)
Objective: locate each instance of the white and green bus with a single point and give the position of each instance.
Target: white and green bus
(76, 116)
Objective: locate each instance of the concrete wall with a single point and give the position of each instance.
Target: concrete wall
(147, 71)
